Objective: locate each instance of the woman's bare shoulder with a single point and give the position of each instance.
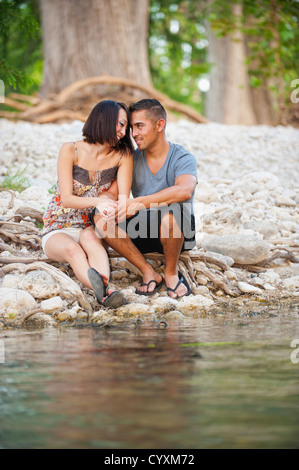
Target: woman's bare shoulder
(68, 148)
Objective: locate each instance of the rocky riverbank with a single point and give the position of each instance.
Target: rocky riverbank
(247, 216)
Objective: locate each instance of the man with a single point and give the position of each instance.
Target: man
(160, 216)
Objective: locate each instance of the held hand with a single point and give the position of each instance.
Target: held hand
(127, 208)
(107, 208)
(121, 211)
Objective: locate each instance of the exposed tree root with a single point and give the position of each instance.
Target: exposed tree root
(70, 289)
(64, 105)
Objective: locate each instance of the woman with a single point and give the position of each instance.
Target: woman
(91, 172)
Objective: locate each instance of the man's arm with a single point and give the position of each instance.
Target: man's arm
(181, 191)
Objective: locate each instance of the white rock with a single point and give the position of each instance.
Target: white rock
(36, 194)
(194, 303)
(268, 286)
(205, 192)
(267, 228)
(244, 249)
(118, 274)
(136, 308)
(50, 305)
(128, 291)
(11, 281)
(248, 288)
(201, 279)
(15, 301)
(225, 259)
(40, 284)
(270, 276)
(285, 201)
(174, 315)
(165, 304)
(230, 275)
(291, 282)
(202, 290)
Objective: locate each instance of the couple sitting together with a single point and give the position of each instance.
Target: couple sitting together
(91, 207)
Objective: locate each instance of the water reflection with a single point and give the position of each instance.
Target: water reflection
(206, 383)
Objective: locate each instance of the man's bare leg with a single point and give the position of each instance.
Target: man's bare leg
(172, 241)
(119, 240)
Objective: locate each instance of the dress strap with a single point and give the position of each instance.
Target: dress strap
(120, 159)
(76, 151)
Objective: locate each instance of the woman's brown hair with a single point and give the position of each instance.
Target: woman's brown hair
(100, 126)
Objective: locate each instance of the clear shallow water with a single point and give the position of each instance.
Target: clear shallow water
(222, 381)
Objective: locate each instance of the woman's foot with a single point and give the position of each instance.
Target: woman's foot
(105, 296)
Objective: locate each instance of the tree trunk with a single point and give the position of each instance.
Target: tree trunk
(86, 38)
(229, 100)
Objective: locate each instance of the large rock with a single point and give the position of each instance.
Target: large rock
(40, 284)
(15, 302)
(50, 305)
(244, 249)
(190, 305)
(265, 227)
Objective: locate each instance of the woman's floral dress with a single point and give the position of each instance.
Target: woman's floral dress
(58, 217)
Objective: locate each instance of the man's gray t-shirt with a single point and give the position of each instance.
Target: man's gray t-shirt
(178, 162)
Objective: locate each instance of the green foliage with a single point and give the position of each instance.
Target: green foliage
(178, 43)
(177, 49)
(271, 31)
(15, 179)
(20, 45)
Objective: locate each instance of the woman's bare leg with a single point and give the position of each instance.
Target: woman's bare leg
(63, 248)
(96, 253)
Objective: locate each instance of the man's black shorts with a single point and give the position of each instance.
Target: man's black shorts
(144, 227)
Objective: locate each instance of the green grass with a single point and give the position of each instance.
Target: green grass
(15, 179)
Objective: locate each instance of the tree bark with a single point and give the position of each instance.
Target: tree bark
(87, 38)
(229, 100)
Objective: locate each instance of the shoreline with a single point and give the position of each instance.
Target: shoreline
(247, 217)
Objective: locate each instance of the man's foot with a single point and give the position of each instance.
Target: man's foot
(157, 286)
(152, 282)
(177, 285)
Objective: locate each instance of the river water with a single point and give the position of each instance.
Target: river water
(225, 380)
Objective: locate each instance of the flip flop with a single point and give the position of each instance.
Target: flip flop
(113, 300)
(97, 282)
(158, 285)
(182, 280)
